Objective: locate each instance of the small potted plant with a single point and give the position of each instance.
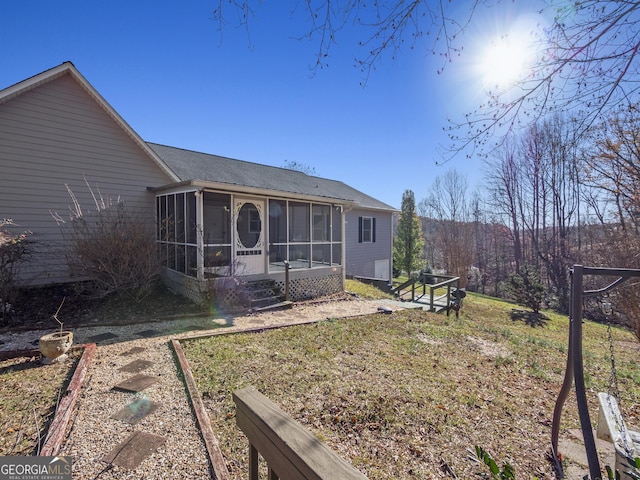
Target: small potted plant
(54, 346)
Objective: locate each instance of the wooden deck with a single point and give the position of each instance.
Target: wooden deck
(434, 292)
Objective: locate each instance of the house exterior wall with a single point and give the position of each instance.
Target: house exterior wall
(369, 260)
(57, 134)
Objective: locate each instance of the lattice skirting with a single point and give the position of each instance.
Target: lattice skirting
(225, 291)
(307, 288)
(183, 285)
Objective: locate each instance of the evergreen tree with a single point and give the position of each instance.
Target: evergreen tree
(408, 243)
(526, 288)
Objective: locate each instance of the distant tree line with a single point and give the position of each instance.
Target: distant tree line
(550, 200)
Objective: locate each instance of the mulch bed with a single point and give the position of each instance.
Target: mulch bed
(35, 308)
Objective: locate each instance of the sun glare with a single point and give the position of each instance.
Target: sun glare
(502, 62)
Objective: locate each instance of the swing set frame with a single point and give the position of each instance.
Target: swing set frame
(574, 372)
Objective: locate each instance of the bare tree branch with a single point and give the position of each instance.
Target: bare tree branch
(586, 63)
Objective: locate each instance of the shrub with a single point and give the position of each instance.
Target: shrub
(526, 288)
(14, 250)
(113, 246)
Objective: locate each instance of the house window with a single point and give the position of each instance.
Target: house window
(304, 234)
(367, 229)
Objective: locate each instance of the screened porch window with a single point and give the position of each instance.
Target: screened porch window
(304, 234)
(216, 232)
(176, 232)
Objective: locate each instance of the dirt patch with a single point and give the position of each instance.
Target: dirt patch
(487, 348)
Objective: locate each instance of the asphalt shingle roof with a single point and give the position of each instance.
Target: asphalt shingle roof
(190, 166)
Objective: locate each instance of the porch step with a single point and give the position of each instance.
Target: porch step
(262, 303)
(263, 294)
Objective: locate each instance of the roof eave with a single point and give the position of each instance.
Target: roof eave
(232, 188)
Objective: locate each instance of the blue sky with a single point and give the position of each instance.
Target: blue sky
(165, 67)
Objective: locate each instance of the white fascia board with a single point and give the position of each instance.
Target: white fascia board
(231, 188)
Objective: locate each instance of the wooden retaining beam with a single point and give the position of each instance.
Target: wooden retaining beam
(216, 458)
(60, 425)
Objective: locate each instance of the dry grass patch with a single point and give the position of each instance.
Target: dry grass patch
(30, 393)
(404, 395)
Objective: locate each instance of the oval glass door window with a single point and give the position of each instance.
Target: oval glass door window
(249, 225)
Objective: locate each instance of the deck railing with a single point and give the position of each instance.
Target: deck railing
(291, 451)
(437, 301)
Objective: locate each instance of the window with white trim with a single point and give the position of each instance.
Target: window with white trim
(367, 229)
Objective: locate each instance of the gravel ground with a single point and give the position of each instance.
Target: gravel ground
(94, 433)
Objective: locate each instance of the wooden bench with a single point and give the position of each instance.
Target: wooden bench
(291, 451)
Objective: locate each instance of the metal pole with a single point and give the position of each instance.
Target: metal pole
(575, 367)
(578, 368)
(564, 391)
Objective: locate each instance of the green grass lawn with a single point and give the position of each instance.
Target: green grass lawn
(365, 290)
(30, 392)
(399, 396)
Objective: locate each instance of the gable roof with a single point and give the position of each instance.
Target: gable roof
(211, 170)
(67, 68)
(223, 172)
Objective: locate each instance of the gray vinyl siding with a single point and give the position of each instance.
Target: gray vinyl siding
(361, 257)
(57, 134)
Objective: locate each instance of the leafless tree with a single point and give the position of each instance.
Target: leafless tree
(614, 167)
(506, 190)
(555, 241)
(387, 26)
(613, 182)
(448, 205)
(535, 188)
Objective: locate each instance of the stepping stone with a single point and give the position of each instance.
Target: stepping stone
(136, 366)
(133, 351)
(149, 333)
(136, 410)
(132, 452)
(137, 383)
(102, 337)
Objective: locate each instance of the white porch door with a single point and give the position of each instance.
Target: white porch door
(250, 249)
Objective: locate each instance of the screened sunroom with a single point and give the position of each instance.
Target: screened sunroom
(204, 234)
